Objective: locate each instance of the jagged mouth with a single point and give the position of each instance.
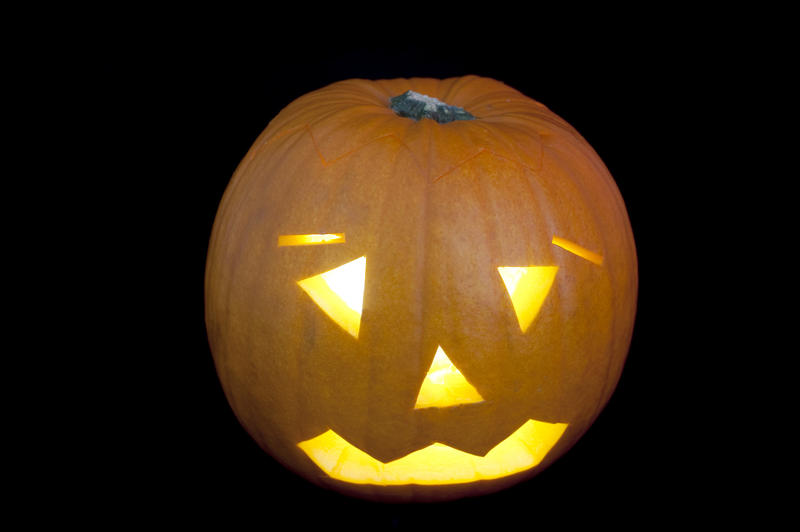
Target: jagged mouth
(436, 464)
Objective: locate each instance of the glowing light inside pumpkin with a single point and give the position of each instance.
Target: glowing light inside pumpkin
(444, 385)
(528, 287)
(340, 293)
(435, 464)
(580, 251)
(310, 240)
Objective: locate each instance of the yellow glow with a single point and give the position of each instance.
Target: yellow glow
(436, 463)
(528, 287)
(444, 385)
(580, 251)
(340, 293)
(310, 240)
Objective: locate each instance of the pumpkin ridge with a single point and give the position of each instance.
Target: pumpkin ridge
(581, 150)
(474, 155)
(327, 162)
(456, 85)
(340, 157)
(277, 136)
(509, 135)
(461, 163)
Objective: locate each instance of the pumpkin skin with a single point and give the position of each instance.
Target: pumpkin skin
(436, 209)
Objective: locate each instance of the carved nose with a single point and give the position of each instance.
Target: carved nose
(444, 385)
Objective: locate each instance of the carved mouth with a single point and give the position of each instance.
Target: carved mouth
(436, 464)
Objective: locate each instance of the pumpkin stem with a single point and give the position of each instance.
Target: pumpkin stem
(414, 105)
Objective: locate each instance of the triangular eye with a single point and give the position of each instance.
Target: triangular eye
(528, 287)
(340, 293)
(444, 385)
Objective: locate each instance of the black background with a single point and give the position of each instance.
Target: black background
(175, 115)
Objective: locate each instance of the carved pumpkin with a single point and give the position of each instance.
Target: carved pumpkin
(419, 289)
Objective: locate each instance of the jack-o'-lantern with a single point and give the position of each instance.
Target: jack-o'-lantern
(419, 289)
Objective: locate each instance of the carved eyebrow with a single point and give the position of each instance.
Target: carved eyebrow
(310, 239)
(580, 251)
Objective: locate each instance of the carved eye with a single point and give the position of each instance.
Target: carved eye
(340, 293)
(527, 287)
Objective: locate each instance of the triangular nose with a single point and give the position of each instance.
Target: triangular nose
(444, 385)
